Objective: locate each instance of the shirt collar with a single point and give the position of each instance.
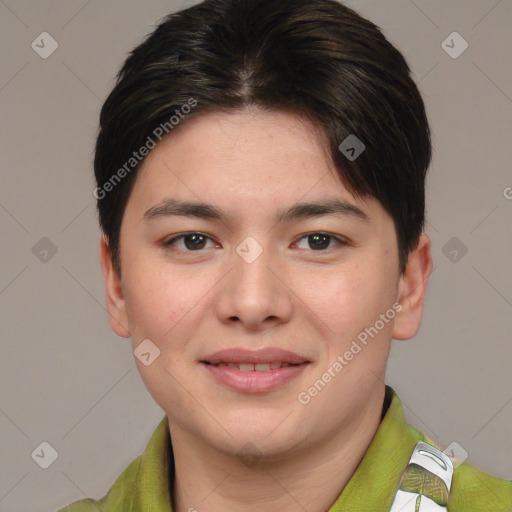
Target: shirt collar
(372, 486)
(374, 483)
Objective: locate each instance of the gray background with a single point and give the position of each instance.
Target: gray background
(67, 379)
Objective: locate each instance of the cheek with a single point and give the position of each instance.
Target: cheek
(153, 301)
(339, 297)
(349, 299)
(162, 300)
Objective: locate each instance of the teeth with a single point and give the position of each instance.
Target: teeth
(258, 367)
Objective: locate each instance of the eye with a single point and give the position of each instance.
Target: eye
(321, 241)
(193, 241)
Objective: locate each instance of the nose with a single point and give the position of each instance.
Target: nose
(254, 292)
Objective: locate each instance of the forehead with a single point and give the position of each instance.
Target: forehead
(248, 159)
(232, 145)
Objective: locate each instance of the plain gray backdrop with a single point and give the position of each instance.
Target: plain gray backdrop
(66, 379)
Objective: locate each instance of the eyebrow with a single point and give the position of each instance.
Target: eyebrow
(175, 207)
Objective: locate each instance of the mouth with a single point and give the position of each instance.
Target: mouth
(255, 367)
(254, 371)
(271, 358)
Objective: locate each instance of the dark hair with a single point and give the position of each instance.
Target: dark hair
(316, 58)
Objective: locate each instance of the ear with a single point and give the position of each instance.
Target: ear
(116, 305)
(412, 289)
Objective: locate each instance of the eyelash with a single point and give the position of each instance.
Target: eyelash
(340, 242)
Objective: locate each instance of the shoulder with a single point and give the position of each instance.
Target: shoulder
(475, 490)
(471, 490)
(121, 495)
(144, 483)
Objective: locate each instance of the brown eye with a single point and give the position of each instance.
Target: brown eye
(192, 242)
(321, 241)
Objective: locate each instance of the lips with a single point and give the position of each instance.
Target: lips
(258, 360)
(258, 367)
(254, 371)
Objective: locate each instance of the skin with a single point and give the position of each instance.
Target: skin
(314, 301)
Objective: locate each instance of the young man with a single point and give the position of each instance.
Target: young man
(260, 182)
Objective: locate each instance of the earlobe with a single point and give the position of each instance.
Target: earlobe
(412, 290)
(116, 305)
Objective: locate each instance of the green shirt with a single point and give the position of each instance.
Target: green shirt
(146, 484)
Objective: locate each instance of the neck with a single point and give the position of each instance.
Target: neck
(308, 478)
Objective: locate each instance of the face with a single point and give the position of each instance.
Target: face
(262, 280)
